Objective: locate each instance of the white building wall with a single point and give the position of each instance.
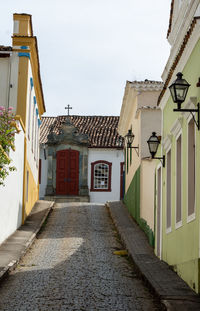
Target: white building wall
(111, 155)
(115, 157)
(11, 194)
(9, 81)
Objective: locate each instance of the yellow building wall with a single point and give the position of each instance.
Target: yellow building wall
(31, 191)
(28, 58)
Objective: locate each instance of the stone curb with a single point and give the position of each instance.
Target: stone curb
(12, 265)
(168, 302)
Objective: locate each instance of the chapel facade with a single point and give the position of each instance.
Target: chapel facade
(81, 158)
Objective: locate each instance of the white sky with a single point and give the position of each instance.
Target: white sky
(89, 48)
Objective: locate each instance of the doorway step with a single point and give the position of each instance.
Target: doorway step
(67, 198)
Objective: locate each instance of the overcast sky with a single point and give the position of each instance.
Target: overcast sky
(89, 48)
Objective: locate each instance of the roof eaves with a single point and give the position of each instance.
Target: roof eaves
(170, 18)
(177, 58)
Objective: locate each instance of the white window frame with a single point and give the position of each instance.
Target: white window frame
(29, 113)
(180, 223)
(161, 210)
(193, 215)
(169, 229)
(106, 177)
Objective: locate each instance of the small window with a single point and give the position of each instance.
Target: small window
(101, 176)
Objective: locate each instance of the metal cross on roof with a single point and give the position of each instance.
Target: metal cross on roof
(68, 108)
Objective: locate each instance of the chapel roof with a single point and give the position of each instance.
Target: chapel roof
(101, 130)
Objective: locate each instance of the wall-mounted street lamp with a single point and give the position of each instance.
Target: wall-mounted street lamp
(153, 144)
(129, 140)
(178, 90)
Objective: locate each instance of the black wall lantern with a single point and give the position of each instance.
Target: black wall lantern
(129, 140)
(178, 90)
(153, 144)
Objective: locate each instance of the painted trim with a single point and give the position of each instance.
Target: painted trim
(24, 182)
(35, 66)
(192, 216)
(179, 223)
(24, 54)
(18, 118)
(122, 171)
(92, 189)
(40, 170)
(167, 143)
(14, 124)
(31, 82)
(161, 210)
(169, 229)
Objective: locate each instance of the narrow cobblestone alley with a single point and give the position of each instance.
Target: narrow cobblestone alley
(71, 266)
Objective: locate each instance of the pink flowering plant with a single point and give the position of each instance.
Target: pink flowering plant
(7, 139)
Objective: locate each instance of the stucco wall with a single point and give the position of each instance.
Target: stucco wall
(111, 155)
(148, 98)
(135, 124)
(11, 194)
(180, 245)
(115, 157)
(150, 122)
(9, 81)
(147, 186)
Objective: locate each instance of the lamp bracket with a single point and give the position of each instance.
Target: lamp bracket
(162, 160)
(193, 115)
(136, 149)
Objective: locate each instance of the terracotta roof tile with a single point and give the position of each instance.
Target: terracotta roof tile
(170, 18)
(5, 48)
(146, 81)
(101, 130)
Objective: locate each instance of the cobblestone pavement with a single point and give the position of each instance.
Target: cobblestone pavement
(71, 266)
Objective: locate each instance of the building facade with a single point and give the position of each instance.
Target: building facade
(21, 89)
(81, 158)
(140, 115)
(178, 200)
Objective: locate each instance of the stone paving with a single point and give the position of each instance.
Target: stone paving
(172, 291)
(71, 266)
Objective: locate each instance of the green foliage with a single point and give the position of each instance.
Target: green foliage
(7, 139)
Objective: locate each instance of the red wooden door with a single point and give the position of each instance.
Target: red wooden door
(67, 172)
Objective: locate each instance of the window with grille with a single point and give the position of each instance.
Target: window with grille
(101, 176)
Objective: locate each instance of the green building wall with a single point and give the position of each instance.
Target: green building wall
(132, 202)
(180, 247)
